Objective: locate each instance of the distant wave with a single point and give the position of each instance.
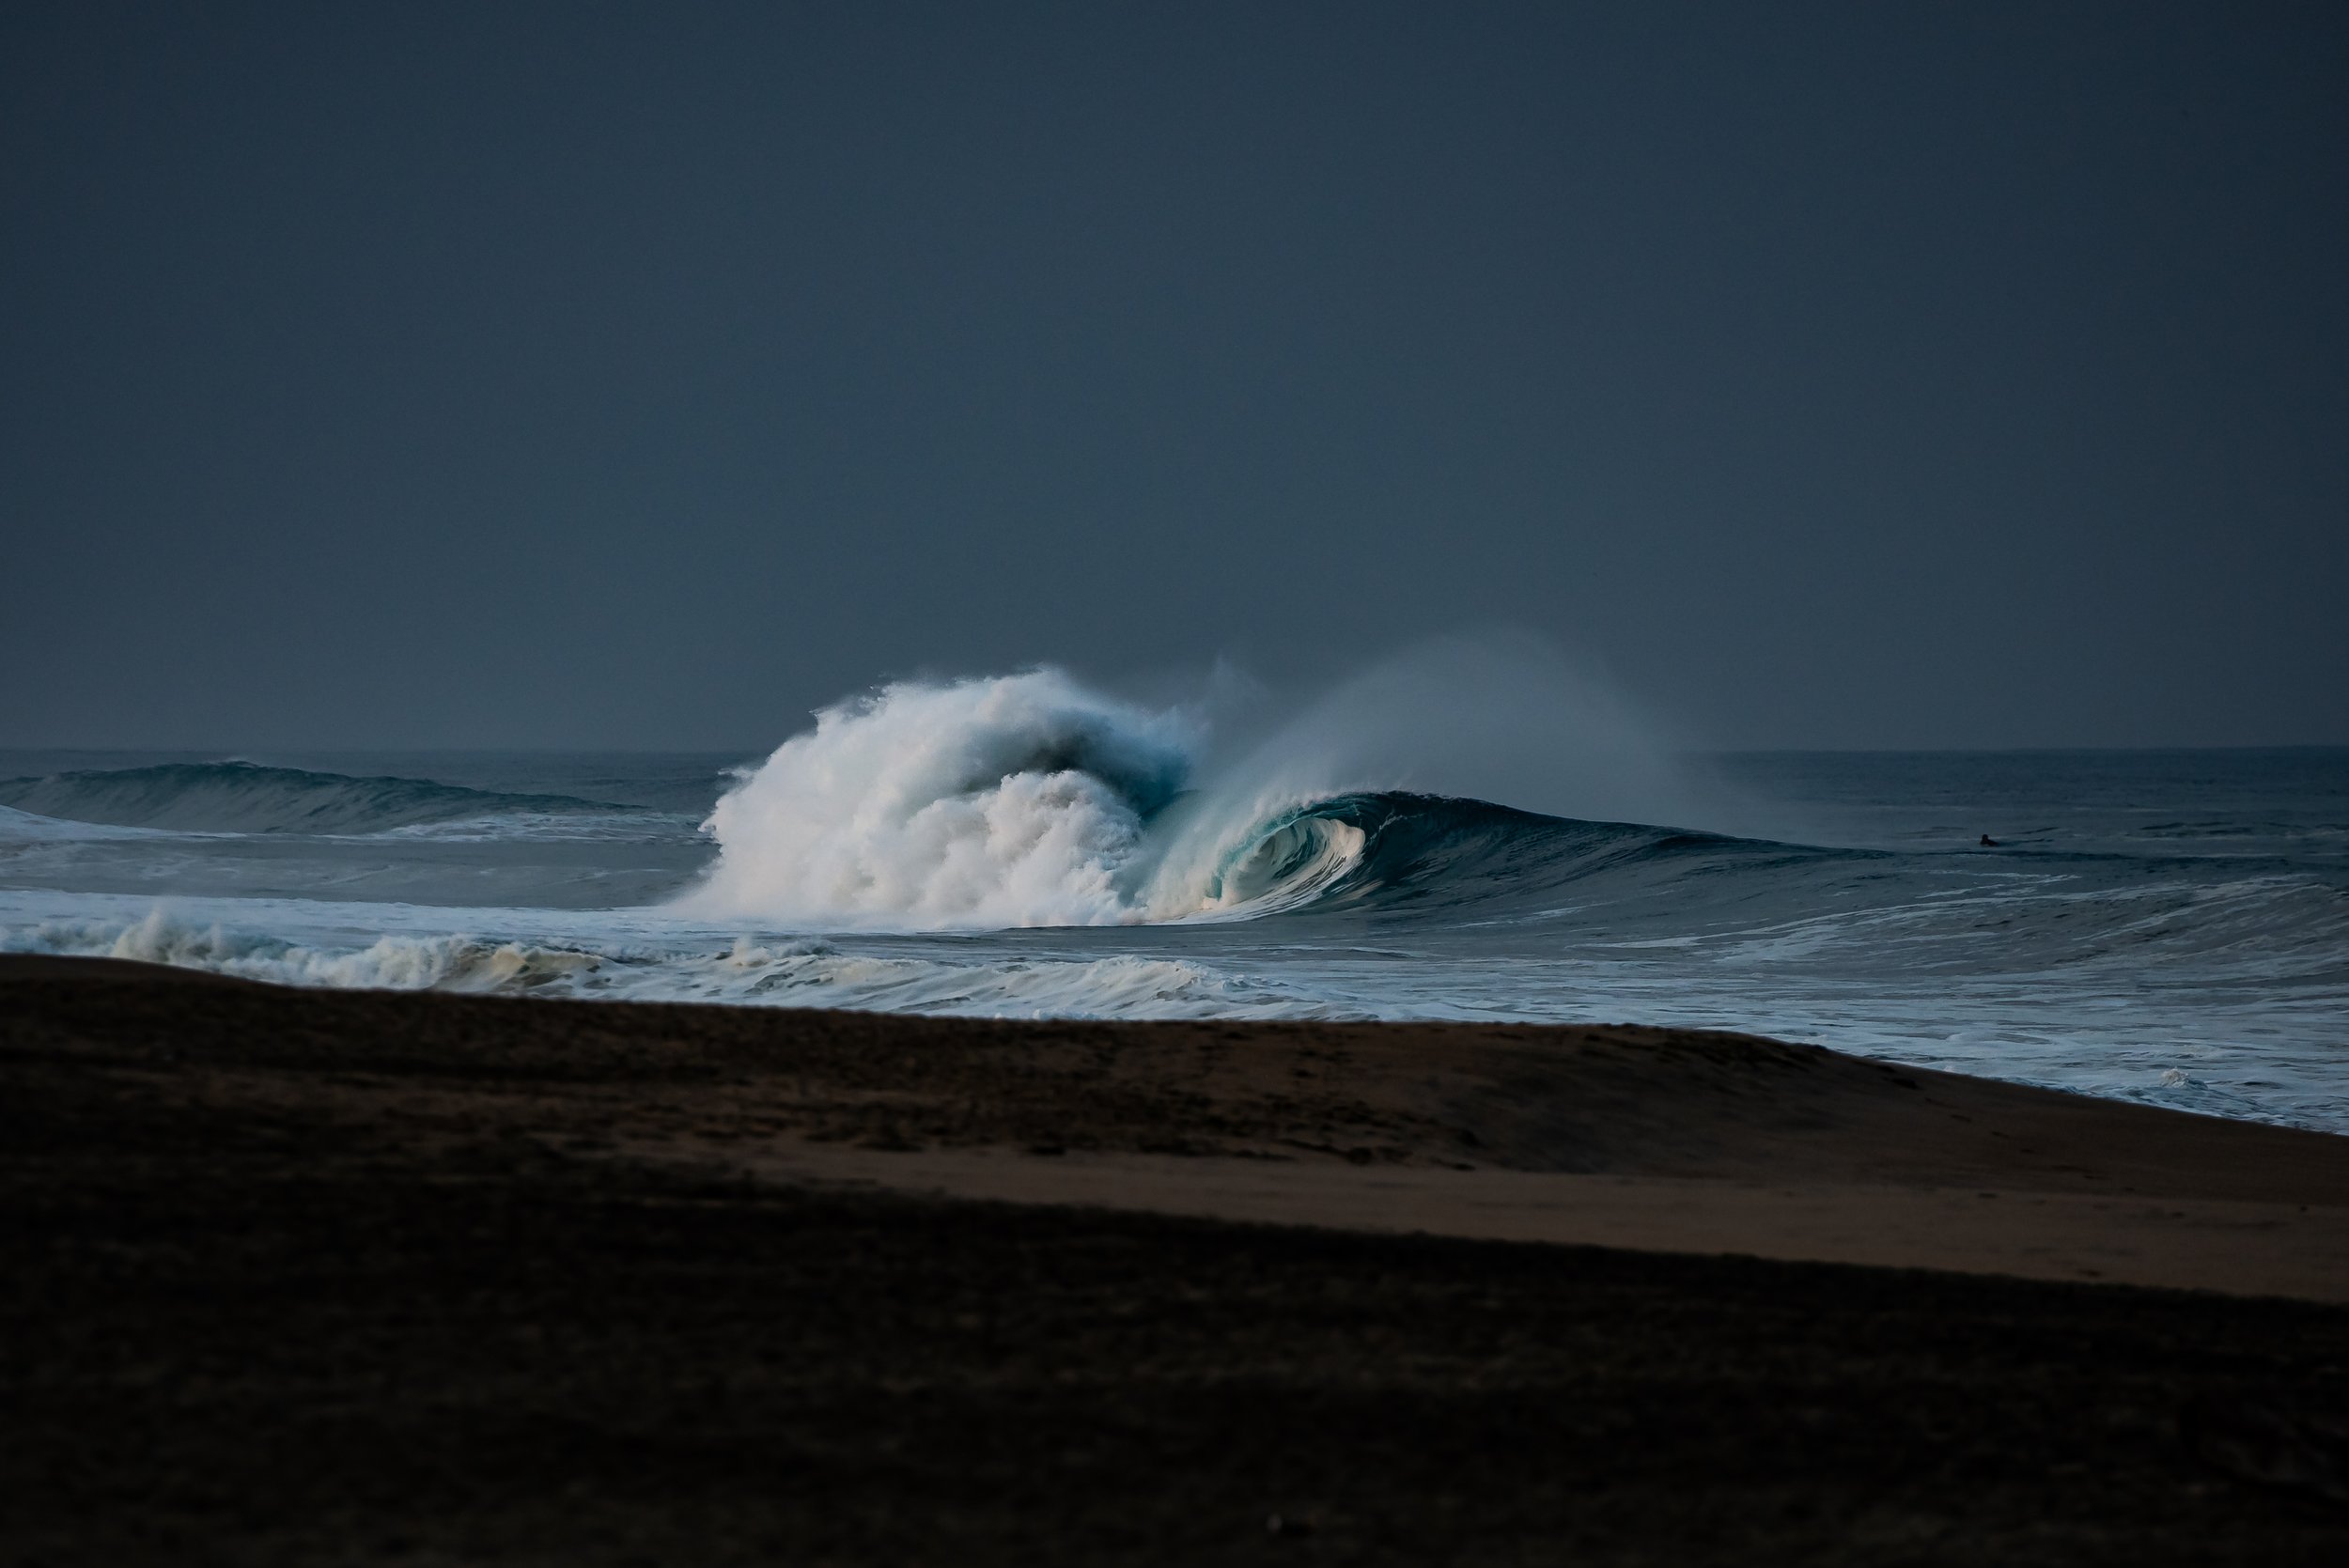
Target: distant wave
(250, 798)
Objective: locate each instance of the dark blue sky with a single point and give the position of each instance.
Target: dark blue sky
(633, 375)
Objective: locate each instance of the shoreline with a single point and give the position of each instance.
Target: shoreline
(1620, 1136)
(303, 1276)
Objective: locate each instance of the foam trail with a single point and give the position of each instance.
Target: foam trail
(452, 962)
(803, 973)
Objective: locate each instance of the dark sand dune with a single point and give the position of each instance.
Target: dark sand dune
(45, 966)
(328, 1276)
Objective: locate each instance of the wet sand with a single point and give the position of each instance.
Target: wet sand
(333, 1276)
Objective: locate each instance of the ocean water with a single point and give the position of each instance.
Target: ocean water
(2165, 926)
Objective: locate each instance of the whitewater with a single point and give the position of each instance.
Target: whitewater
(1443, 838)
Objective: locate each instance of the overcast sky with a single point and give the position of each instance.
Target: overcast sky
(646, 375)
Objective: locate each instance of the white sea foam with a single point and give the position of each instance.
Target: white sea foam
(1015, 801)
(397, 963)
(774, 972)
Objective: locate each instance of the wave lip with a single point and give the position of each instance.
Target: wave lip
(254, 798)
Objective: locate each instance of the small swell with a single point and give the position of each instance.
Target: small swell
(251, 798)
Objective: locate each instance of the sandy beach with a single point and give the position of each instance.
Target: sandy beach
(305, 1276)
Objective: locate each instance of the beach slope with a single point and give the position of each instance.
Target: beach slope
(316, 1276)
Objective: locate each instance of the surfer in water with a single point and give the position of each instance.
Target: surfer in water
(1989, 842)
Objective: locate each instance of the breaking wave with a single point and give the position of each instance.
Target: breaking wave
(1028, 800)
